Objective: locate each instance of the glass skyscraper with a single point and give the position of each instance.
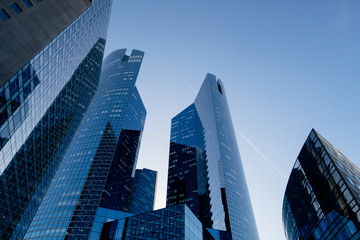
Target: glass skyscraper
(205, 169)
(41, 107)
(97, 168)
(322, 198)
(142, 191)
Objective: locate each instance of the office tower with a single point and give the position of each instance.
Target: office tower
(41, 107)
(187, 175)
(21, 19)
(205, 169)
(97, 168)
(142, 191)
(322, 198)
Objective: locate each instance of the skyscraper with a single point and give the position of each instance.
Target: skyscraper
(43, 103)
(205, 169)
(322, 198)
(142, 191)
(97, 168)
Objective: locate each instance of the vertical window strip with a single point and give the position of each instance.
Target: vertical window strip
(28, 3)
(4, 15)
(16, 7)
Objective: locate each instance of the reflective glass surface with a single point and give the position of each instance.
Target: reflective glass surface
(187, 174)
(177, 222)
(323, 193)
(98, 165)
(142, 191)
(104, 215)
(41, 107)
(203, 144)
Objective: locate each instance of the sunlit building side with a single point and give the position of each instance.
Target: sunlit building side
(205, 169)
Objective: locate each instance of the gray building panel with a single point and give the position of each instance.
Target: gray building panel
(26, 33)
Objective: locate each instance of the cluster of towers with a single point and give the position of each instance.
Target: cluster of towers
(70, 133)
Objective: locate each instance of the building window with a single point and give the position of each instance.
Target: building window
(16, 7)
(27, 3)
(4, 15)
(219, 87)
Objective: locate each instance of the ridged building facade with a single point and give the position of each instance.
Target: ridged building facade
(205, 169)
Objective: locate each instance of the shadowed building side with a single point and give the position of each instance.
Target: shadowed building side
(322, 196)
(187, 174)
(142, 191)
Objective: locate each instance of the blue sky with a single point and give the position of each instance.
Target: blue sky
(287, 66)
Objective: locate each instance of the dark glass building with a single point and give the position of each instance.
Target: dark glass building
(97, 168)
(176, 222)
(323, 194)
(41, 107)
(142, 191)
(205, 169)
(187, 175)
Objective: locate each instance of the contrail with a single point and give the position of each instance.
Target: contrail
(262, 155)
(191, 88)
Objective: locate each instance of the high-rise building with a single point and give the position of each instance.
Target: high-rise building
(43, 102)
(99, 164)
(205, 169)
(322, 198)
(142, 191)
(187, 175)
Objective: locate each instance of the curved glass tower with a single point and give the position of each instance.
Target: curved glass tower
(97, 168)
(205, 169)
(322, 198)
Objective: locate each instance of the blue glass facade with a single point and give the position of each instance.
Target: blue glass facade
(142, 191)
(176, 222)
(187, 175)
(204, 158)
(323, 194)
(104, 215)
(41, 107)
(97, 168)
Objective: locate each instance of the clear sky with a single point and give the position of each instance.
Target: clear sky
(287, 67)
